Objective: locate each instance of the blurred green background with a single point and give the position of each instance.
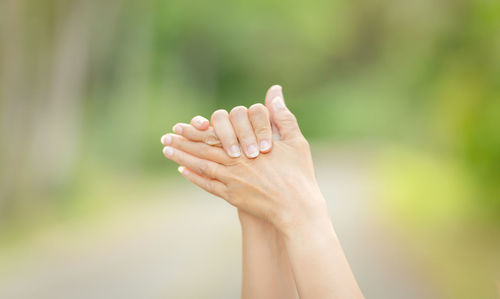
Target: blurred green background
(88, 87)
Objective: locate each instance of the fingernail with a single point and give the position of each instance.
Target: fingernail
(168, 151)
(166, 139)
(182, 170)
(252, 151)
(177, 129)
(264, 145)
(199, 120)
(278, 103)
(234, 151)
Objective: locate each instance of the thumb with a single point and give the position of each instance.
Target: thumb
(281, 117)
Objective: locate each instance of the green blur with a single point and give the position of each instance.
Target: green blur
(88, 87)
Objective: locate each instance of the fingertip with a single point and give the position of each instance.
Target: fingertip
(220, 113)
(166, 139)
(200, 122)
(168, 151)
(182, 170)
(177, 128)
(276, 87)
(272, 92)
(265, 146)
(252, 151)
(256, 108)
(238, 109)
(234, 151)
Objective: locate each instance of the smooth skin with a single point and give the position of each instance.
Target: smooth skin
(281, 189)
(266, 270)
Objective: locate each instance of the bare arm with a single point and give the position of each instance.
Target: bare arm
(319, 265)
(266, 270)
(280, 188)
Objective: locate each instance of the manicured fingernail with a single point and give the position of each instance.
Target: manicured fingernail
(264, 145)
(166, 139)
(278, 103)
(199, 120)
(177, 129)
(168, 151)
(182, 170)
(252, 151)
(234, 151)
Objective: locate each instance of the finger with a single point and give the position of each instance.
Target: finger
(224, 130)
(271, 93)
(202, 167)
(190, 132)
(259, 117)
(200, 123)
(284, 120)
(244, 131)
(212, 186)
(198, 149)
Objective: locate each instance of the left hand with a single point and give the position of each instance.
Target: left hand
(279, 187)
(242, 128)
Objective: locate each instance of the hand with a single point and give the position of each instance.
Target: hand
(249, 126)
(241, 128)
(279, 187)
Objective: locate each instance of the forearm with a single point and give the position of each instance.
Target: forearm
(319, 265)
(266, 268)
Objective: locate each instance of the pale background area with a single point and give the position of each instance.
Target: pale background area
(186, 244)
(400, 100)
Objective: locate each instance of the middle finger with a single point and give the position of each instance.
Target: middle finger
(244, 131)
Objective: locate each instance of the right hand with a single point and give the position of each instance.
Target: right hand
(279, 187)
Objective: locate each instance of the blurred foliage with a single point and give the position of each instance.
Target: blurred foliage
(88, 87)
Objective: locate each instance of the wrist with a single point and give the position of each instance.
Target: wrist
(250, 222)
(317, 229)
(305, 220)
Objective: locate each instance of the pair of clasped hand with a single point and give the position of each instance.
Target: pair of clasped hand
(237, 159)
(257, 160)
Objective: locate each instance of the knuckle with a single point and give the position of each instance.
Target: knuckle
(287, 117)
(238, 110)
(211, 139)
(210, 186)
(203, 169)
(262, 131)
(212, 170)
(246, 140)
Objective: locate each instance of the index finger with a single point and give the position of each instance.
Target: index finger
(189, 132)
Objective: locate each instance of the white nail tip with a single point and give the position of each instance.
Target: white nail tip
(253, 151)
(168, 151)
(265, 145)
(235, 151)
(181, 170)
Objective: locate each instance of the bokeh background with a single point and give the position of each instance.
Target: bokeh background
(400, 100)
